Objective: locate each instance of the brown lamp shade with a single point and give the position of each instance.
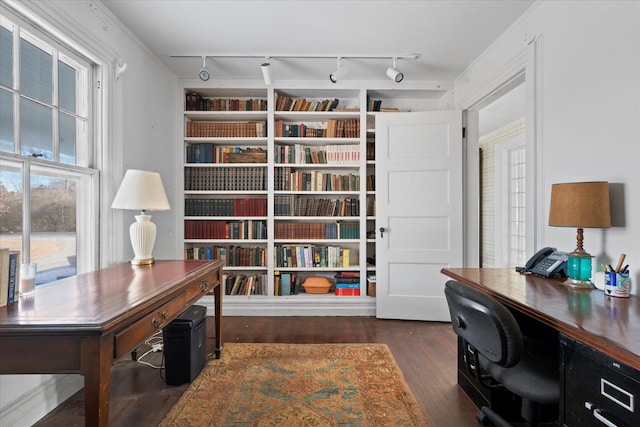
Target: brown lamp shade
(580, 204)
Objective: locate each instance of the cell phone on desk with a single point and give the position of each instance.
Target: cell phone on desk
(547, 262)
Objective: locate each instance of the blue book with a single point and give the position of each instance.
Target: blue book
(285, 284)
(13, 266)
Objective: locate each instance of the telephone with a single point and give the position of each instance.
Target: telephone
(547, 262)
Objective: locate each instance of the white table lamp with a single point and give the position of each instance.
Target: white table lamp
(142, 190)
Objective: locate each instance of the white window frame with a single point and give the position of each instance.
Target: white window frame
(86, 170)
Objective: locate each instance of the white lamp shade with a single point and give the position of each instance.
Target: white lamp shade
(141, 190)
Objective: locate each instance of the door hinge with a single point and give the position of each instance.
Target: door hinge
(464, 132)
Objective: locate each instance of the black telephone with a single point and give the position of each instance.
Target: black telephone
(547, 262)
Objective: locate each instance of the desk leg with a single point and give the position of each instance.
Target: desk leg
(96, 359)
(217, 295)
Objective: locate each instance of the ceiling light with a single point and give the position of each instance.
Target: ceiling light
(339, 73)
(204, 73)
(266, 71)
(394, 74)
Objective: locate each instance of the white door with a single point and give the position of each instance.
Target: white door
(419, 207)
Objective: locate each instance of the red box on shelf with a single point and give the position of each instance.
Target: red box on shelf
(348, 292)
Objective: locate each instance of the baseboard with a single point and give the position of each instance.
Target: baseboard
(28, 408)
(296, 305)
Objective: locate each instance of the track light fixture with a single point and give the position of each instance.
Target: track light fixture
(204, 74)
(339, 73)
(393, 73)
(266, 71)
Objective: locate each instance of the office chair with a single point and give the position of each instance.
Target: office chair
(503, 356)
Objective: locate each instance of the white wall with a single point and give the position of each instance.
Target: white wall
(589, 86)
(141, 135)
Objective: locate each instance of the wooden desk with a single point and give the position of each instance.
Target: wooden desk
(605, 330)
(81, 324)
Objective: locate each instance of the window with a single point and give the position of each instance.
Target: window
(47, 176)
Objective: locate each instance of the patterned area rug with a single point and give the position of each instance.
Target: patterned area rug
(298, 385)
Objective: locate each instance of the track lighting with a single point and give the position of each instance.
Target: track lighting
(204, 73)
(394, 74)
(266, 71)
(338, 73)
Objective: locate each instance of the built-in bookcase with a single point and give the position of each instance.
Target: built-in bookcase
(280, 183)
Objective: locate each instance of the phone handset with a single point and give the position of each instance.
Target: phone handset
(547, 262)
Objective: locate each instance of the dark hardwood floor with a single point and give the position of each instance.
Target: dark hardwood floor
(424, 351)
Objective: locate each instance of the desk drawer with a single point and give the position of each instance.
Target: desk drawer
(597, 389)
(127, 339)
(202, 286)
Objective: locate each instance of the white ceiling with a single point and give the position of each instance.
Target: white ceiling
(447, 34)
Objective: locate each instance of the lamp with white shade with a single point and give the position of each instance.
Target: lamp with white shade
(143, 191)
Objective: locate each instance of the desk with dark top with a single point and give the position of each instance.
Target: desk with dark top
(81, 324)
(605, 326)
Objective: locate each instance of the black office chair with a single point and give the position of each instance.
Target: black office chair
(522, 365)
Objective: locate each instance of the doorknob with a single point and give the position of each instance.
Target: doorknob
(382, 230)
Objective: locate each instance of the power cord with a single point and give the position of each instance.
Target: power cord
(157, 345)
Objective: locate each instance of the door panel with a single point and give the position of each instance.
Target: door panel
(419, 205)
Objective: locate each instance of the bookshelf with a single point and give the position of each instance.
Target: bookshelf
(280, 182)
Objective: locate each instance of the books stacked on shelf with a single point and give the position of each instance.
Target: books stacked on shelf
(196, 102)
(9, 276)
(296, 205)
(211, 153)
(244, 284)
(371, 285)
(225, 207)
(343, 154)
(316, 230)
(286, 284)
(287, 179)
(347, 283)
(233, 256)
(334, 128)
(241, 178)
(287, 103)
(371, 205)
(226, 129)
(206, 229)
(376, 105)
(308, 256)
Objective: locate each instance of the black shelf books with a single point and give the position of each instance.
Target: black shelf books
(296, 205)
(212, 229)
(225, 207)
(241, 178)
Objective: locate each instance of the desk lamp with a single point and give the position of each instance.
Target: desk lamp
(580, 204)
(142, 190)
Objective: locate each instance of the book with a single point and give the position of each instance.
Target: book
(13, 273)
(4, 276)
(285, 284)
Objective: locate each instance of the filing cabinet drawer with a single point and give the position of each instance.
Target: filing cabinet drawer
(597, 390)
(128, 338)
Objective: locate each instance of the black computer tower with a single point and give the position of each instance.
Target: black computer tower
(185, 345)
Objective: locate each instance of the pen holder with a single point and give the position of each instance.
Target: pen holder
(617, 284)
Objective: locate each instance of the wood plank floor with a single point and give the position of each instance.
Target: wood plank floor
(424, 351)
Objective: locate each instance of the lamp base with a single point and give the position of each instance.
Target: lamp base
(580, 284)
(147, 261)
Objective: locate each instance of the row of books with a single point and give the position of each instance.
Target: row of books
(316, 230)
(334, 128)
(211, 153)
(226, 129)
(287, 284)
(244, 284)
(242, 178)
(343, 154)
(376, 105)
(225, 207)
(287, 103)
(196, 102)
(308, 256)
(371, 182)
(233, 256)
(287, 179)
(296, 205)
(204, 229)
(9, 276)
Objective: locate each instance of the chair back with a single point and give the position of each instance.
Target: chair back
(484, 323)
